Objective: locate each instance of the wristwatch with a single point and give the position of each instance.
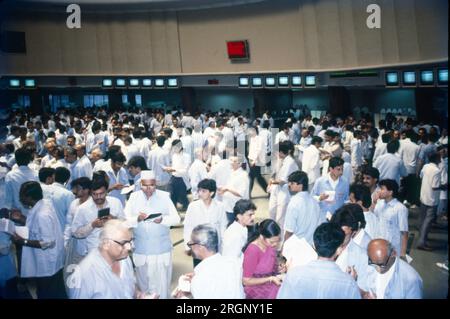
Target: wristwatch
(25, 242)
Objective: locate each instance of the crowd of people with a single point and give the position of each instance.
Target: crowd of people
(98, 192)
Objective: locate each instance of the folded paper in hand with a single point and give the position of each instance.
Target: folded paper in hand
(7, 226)
(298, 252)
(127, 189)
(23, 231)
(184, 284)
(152, 217)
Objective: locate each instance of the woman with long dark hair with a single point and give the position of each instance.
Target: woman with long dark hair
(260, 262)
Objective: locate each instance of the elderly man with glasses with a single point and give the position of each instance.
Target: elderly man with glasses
(216, 276)
(107, 272)
(390, 277)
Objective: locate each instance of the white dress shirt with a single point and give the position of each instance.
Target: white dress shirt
(234, 239)
(431, 178)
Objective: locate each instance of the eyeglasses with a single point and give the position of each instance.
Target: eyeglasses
(192, 243)
(124, 243)
(381, 266)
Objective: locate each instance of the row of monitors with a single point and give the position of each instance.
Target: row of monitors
(409, 78)
(280, 81)
(140, 83)
(108, 83)
(27, 83)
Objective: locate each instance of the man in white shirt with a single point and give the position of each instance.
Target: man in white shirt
(197, 172)
(303, 211)
(151, 213)
(43, 250)
(409, 153)
(429, 197)
(311, 161)
(236, 235)
(87, 222)
(157, 160)
(206, 210)
(16, 177)
(107, 272)
(236, 188)
(217, 276)
(391, 277)
(257, 159)
(390, 165)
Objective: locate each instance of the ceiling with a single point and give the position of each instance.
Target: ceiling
(127, 5)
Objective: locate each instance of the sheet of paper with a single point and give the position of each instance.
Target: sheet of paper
(184, 284)
(331, 195)
(22, 231)
(127, 189)
(298, 252)
(408, 258)
(7, 226)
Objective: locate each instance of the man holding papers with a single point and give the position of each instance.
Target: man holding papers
(153, 253)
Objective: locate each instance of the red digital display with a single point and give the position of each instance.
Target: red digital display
(237, 50)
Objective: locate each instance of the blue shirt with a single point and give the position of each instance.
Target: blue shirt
(319, 279)
(302, 216)
(341, 196)
(392, 220)
(7, 263)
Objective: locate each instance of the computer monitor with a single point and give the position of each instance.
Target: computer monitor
(270, 81)
(120, 83)
(146, 83)
(172, 83)
(243, 81)
(257, 82)
(133, 83)
(426, 77)
(296, 80)
(14, 83)
(409, 78)
(283, 80)
(442, 76)
(159, 83)
(392, 78)
(310, 80)
(107, 83)
(30, 83)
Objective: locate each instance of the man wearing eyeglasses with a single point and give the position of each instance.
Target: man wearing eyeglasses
(106, 272)
(390, 276)
(153, 254)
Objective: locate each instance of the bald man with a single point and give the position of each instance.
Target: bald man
(391, 277)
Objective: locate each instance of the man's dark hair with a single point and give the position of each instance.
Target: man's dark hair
(83, 182)
(327, 239)
(23, 156)
(45, 172)
(316, 140)
(390, 185)
(62, 175)
(345, 216)
(362, 193)
(138, 161)
(372, 172)
(335, 162)
(299, 177)
(393, 146)
(242, 206)
(286, 147)
(31, 189)
(118, 158)
(99, 183)
(160, 140)
(434, 157)
(208, 184)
